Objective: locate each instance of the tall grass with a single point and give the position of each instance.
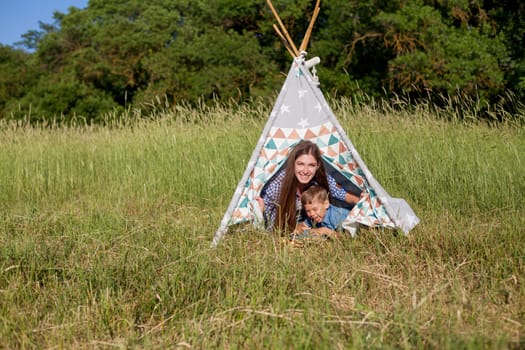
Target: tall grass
(105, 239)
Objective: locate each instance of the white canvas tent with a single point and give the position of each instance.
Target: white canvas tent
(302, 113)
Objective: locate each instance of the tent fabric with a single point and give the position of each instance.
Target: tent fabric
(302, 113)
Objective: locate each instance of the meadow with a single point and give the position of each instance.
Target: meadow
(105, 237)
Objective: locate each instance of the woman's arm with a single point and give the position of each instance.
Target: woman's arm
(340, 193)
(270, 197)
(351, 198)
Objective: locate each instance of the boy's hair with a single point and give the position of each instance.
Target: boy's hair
(313, 193)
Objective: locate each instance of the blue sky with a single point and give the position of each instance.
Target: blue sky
(19, 16)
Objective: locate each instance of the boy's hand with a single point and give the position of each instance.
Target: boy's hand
(324, 231)
(301, 226)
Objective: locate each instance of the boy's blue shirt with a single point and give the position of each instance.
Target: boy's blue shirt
(333, 218)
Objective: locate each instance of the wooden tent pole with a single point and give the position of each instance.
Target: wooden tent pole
(306, 38)
(283, 28)
(285, 42)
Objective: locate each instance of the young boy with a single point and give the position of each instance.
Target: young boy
(323, 219)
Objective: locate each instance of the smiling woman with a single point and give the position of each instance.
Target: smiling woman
(19, 17)
(280, 198)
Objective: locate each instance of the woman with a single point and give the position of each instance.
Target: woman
(280, 198)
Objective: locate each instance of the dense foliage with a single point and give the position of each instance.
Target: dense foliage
(114, 54)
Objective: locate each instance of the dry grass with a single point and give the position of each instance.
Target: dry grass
(105, 241)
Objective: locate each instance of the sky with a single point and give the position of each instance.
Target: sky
(17, 17)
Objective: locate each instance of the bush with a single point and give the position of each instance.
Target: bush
(63, 100)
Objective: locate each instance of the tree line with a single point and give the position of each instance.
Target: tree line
(114, 55)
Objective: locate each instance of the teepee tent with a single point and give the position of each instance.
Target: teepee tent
(302, 113)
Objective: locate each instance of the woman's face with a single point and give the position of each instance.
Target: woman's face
(305, 168)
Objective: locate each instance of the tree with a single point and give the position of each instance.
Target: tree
(508, 18)
(131, 53)
(16, 73)
(217, 64)
(431, 55)
(62, 100)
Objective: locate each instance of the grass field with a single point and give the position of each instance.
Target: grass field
(105, 239)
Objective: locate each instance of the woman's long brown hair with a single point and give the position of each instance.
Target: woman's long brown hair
(286, 210)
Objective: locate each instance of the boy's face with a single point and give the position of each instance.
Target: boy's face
(317, 210)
